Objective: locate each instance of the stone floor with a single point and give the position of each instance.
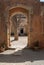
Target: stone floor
(17, 45)
(27, 56)
(20, 43)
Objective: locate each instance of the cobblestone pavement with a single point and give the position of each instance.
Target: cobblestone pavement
(27, 57)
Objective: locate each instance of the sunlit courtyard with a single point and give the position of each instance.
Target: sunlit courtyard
(18, 54)
(20, 43)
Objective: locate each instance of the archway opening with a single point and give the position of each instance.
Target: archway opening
(18, 18)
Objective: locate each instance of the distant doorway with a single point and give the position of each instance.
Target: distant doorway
(21, 31)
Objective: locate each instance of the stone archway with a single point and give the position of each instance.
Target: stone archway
(11, 12)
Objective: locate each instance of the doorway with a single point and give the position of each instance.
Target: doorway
(20, 25)
(21, 31)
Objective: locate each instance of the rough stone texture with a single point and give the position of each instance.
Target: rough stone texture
(34, 8)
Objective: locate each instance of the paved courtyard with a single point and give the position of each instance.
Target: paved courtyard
(20, 43)
(21, 55)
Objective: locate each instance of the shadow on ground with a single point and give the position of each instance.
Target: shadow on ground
(27, 55)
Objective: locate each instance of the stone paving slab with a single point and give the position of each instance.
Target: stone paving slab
(23, 57)
(28, 57)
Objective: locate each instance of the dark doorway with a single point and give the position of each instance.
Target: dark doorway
(21, 30)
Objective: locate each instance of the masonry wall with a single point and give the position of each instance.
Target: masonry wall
(36, 34)
(2, 31)
(3, 27)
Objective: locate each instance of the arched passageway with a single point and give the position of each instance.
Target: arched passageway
(13, 12)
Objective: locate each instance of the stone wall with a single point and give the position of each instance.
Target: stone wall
(2, 25)
(35, 32)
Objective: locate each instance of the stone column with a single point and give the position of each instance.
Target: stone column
(8, 32)
(8, 35)
(29, 34)
(14, 22)
(15, 34)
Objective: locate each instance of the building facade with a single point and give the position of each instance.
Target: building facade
(33, 10)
